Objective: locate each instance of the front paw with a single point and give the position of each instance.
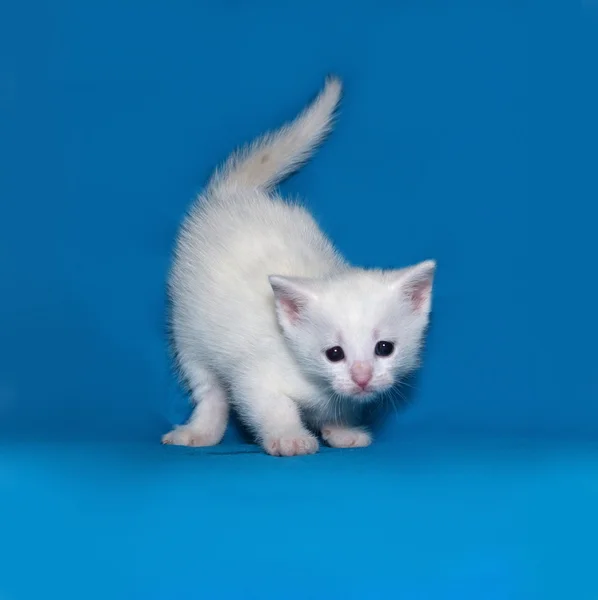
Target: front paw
(346, 437)
(292, 444)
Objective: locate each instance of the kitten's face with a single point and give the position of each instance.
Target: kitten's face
(358, 333)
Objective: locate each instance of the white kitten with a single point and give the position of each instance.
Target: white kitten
(268, 317)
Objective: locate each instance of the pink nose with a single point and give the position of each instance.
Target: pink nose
(361, 374)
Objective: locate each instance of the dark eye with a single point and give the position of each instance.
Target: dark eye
(335, 354)
(384, 348)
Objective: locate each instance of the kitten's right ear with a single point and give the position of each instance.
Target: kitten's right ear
(291, 295)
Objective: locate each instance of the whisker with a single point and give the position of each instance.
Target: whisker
(398, 402)
(407, 384)
(337, 408)
(401, 395)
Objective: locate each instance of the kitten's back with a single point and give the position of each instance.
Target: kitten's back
(238, 233)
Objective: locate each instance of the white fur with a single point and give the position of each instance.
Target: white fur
(259, 294)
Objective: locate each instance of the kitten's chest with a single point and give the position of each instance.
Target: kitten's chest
(304, 393)
(317, 405)
(326, 411)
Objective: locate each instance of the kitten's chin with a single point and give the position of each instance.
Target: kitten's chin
(358, 395)
(364, 396)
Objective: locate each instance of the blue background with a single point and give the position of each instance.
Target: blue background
(468, 133)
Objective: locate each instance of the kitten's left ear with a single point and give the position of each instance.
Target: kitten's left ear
(291, 294)
(416, 283)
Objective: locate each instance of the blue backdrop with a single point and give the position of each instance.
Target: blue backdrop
(468, 133)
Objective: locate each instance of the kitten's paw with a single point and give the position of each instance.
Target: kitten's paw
(187, 436)
(295, 444)
(346, 437)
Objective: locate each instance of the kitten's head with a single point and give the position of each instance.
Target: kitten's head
(356, 333)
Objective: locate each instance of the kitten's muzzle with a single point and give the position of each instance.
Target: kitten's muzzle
(361, 374)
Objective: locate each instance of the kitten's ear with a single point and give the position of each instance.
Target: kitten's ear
(291, 294)
(416, 284)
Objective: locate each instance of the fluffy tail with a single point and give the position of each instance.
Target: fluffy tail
(275, 155)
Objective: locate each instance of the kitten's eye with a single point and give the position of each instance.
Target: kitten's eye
(335, 354)
(384, 348)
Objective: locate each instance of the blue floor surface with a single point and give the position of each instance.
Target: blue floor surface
(421, 519)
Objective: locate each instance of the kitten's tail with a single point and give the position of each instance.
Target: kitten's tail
(275, 155)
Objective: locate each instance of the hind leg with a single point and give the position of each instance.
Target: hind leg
(209, 418)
